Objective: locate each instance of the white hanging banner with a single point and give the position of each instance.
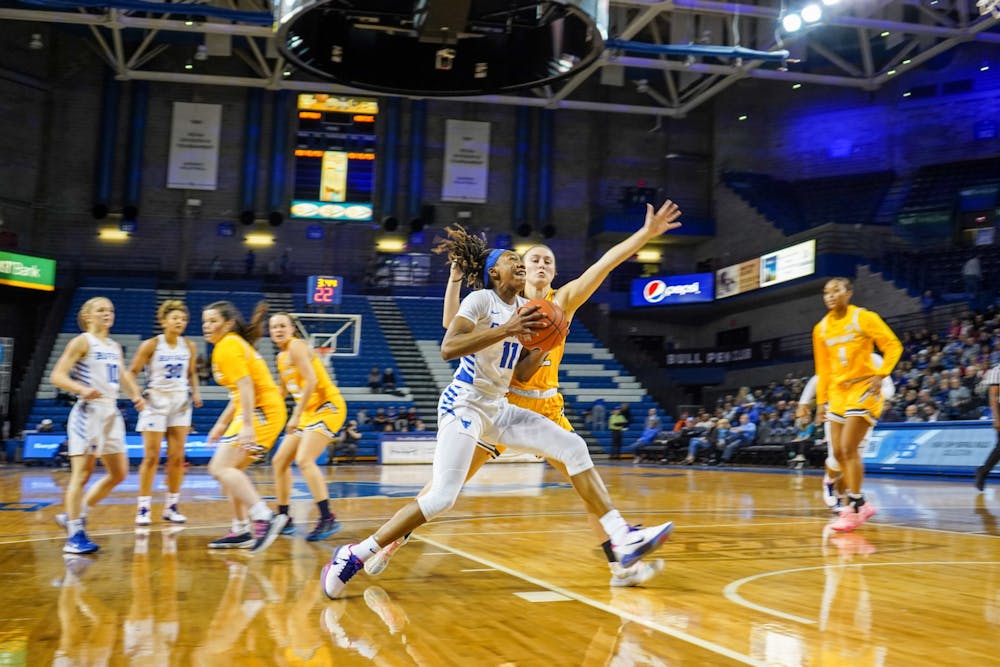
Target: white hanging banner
(466, 161)
(194, 146)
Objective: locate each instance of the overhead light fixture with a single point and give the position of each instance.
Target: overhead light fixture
(985, 67)
(648, 256)
(259, 240)
(890, 72)
(36, 43)
(743, 117)
(831, 3)
(189, 65)
(812, 13)
(907, 93)
(884, 33)
(112, 234)
(791, 22)
(201, 53)
(390, 244)
(796, 86)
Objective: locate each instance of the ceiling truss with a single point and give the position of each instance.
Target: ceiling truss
(859, 44)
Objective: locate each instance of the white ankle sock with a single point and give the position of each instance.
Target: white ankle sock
(366, 549)
(259, 511)
(172, 499)
(144, 501)
(615, 526)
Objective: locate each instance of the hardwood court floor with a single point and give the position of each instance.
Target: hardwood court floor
(513, 576)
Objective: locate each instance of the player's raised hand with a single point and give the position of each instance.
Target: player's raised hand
(662, 220)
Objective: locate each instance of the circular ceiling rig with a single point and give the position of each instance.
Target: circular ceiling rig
(442, 47)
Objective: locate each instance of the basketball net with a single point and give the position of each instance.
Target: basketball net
(989, 7)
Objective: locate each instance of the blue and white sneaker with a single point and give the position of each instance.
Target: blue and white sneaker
(641, 541)
(142, 516)
(324, 528)
(339, 571)
(79, 543)
(831, 498)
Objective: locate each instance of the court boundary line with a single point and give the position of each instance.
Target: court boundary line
(663, 629)
(730, 591)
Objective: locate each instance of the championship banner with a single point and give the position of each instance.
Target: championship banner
(194, 146)
(466, 161)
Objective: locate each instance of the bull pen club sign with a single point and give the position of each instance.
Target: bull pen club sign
(762, 351)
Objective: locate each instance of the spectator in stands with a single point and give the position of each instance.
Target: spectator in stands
(911, 414)
(389, 380)
(650, 430)
(201, 367)
(598, 415)
(959, 398)
(419, 425)
(380, 419)
(375, 379)
(45, 426)
(346, 444)
(682, 421)
(769, 430)
(931, 412)
(401, 423)
(248, 262)
(626, 412)
(215, 268)
(60, 459)
(805, 435)
(617, 425)
(411, 416)
(708, 433)
(741, 435)
(972, 276)
(362, 417)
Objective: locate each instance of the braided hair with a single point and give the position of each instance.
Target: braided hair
(466, 250)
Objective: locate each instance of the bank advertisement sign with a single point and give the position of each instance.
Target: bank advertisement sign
(27, 271)
(672, 290)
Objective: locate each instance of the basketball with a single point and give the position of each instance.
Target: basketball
(555, 329)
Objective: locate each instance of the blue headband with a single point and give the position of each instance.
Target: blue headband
(491, 259)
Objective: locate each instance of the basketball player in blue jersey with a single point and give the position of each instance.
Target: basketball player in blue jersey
(484, 337)
(92, 367)
(171, 389)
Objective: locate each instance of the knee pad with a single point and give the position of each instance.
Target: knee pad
(573, 453)
(437, 500)
(833, 464)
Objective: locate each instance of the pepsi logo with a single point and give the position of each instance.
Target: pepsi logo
(654, 291)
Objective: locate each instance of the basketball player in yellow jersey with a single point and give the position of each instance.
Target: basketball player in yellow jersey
(248, 426)
(850, 385)
(319, 414)
(540, 391)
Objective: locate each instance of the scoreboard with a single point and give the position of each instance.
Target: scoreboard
(334, 158)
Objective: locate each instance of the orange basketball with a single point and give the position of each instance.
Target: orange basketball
(555, 329)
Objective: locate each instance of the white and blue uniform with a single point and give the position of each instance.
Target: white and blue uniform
(474, 408)
(168, 393)
(96, 427)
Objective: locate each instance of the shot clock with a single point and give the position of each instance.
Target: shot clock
(324, 290)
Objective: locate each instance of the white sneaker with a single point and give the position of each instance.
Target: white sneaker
(636, 574)
(377, 563)
(830, 496)
(640, 542)
(335, 574)
(142, 517)
(172, 515)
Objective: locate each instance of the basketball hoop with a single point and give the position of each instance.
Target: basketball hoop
(324, 353)
(989, 7)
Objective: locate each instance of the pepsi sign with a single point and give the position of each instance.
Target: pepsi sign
(673, 290)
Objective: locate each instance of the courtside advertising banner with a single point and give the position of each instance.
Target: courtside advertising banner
(27, 271)
(466, 161)
(673, 290)
(194, 146)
